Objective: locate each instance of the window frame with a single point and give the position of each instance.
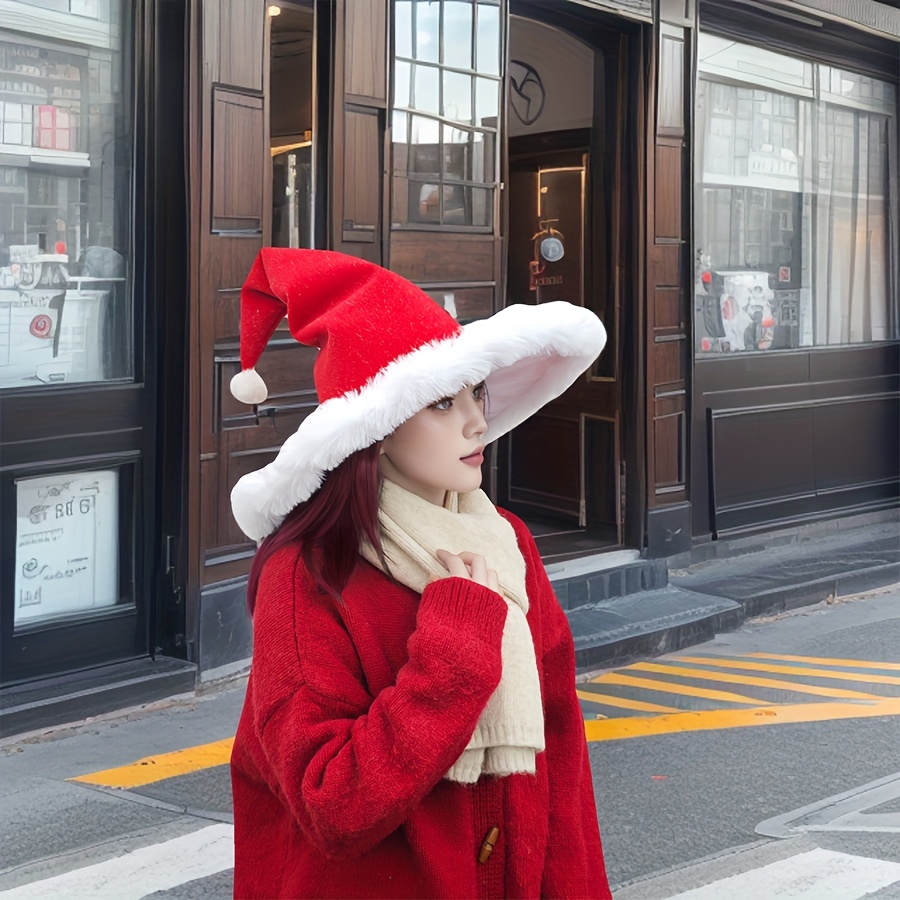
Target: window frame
(490, 135)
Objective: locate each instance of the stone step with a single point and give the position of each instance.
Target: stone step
(647, 623)
(577, 586)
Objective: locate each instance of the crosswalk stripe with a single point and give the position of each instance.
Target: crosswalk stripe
(624, 703)
(667, 688)
(772, 683)
(823, 661)
(789, 670)
(134, 875)
(815, 875)
(714, 719)
(151, 769)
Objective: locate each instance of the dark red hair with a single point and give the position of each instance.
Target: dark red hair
(330, 525)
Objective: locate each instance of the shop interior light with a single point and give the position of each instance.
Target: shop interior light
(286, 147)
(274, 9)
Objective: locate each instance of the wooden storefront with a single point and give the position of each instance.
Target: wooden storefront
(493, 152)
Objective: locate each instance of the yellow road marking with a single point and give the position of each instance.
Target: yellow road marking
(683, 689)
(790, 670)
(166, 765)
(624, 703)
(853, 663)
(709, 720)
(772, 683)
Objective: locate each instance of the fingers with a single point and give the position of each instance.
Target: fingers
(455, 566)
(471, 566)
(476, 565)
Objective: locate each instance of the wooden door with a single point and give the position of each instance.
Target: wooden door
(563, 463)
(231, 176)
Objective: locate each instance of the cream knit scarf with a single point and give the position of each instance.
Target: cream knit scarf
(510, 730)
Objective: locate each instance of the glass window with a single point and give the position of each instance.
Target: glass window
(67, 546)
(291, 125)
(445, 118)
(793, 201)
(65, 194)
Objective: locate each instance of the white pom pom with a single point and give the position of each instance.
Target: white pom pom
(248, 387)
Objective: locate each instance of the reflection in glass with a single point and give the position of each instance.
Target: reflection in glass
(456, 153)
(488, 39)
(424, 202)
(427, 87)
(458, 97)
(458, 34)
(65, 301)
(427, 30)
(402, 96)
(424, 151)
(487, 101)
(403, 42)
(792, 201)
(400, 140)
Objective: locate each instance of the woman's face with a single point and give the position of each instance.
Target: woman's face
(439, 449)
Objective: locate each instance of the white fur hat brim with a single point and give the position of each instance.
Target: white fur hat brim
(527, 356)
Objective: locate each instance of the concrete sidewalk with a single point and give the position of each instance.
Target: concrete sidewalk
(622, 607)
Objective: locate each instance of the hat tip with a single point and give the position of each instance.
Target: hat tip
(248, 387)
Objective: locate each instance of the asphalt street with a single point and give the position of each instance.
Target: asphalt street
(788, 727)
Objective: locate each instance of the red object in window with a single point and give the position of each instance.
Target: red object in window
(54, 128)
(41, 326)
(706, 277)
(60, 247)
(706, 344)
(768, 322)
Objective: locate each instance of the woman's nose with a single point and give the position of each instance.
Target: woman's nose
(475, 422)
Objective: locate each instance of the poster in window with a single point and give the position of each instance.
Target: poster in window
(67, 536)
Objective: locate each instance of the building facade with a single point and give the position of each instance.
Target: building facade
(717, 181)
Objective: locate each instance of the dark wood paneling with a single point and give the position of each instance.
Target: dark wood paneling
(466, 304)
(365, 47)
(669, 363)
(669, 175)
(241, 43)
(362, 190)
(762, 456)
(665, 261)
(669, 311)
(428, 257)
(857, 442)
(239, 157)
(668, 268)
(669, 432)
(209, 500)
(794, 435)
(555, 488)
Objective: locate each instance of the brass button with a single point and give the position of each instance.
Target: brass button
(487, 848)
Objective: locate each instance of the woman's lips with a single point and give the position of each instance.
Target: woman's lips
(476, 459)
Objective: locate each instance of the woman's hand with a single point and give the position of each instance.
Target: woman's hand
(470, 566)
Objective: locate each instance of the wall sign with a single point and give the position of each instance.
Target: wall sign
(67, 542)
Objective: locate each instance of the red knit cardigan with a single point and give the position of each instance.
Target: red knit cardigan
(355, 712)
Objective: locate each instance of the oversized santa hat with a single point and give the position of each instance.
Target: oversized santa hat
(387, 351)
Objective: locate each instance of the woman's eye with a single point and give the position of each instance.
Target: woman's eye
(478, 391)
(446, 403)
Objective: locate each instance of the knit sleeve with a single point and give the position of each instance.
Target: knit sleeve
(574, 865)
(352, 767)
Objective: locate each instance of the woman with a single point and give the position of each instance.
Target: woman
(411, 727)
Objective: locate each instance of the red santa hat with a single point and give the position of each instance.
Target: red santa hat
(387, 351)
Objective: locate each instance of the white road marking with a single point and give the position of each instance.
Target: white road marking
(132, 876)
(815, 875)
